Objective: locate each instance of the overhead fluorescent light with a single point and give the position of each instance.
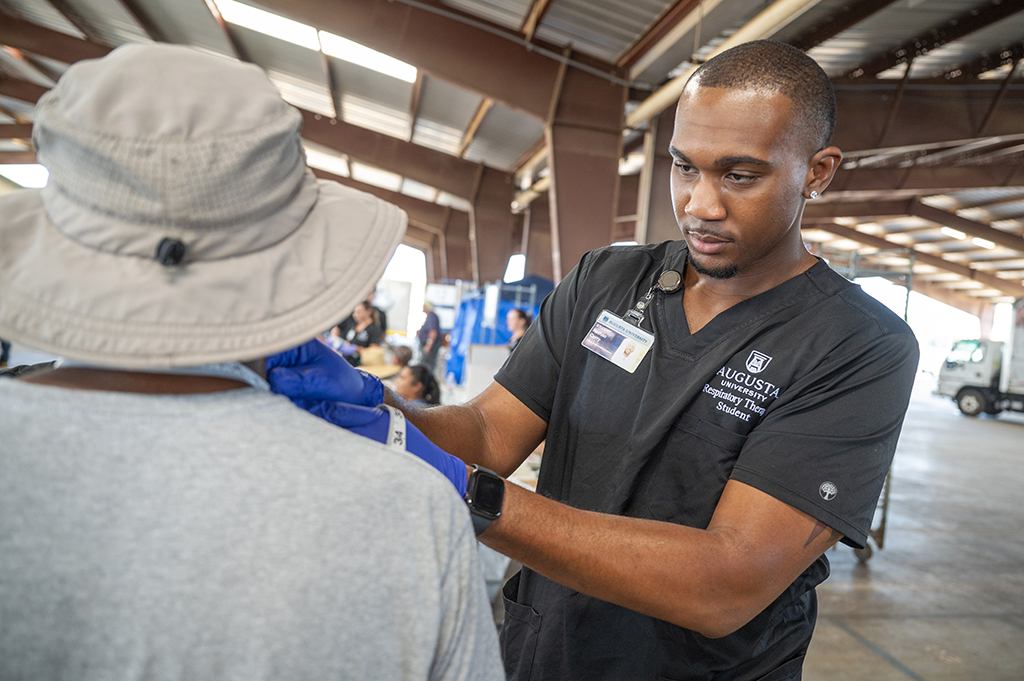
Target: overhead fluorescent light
(268, 23)
(955, 233)
(984, 243)
(354, 53)
(376, 177)
(332, 163)
(306, 36)
(27, 175)
(418, 190)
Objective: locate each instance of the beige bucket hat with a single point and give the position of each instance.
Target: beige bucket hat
(180, 225)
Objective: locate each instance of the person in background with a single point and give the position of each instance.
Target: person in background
(401, 356)
(429, 337)
(366, 333)
(163, 514)
(5, 353)
(417, 385)
(380, 317)
(517, 321)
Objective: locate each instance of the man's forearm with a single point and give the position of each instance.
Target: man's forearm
(456, 429)
(494, 429)
(630, 562)
(712, 581)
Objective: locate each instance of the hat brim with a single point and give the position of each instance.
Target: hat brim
(71, 300)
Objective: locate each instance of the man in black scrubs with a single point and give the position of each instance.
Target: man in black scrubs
(687, 497)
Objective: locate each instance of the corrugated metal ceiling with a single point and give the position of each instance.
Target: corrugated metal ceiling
(603, 29)
(600, 28)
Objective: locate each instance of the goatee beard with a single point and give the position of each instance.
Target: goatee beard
(726, 272)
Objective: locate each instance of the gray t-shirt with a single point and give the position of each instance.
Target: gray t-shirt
(226, 536)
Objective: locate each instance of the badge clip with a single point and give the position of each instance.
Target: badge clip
(668, 282)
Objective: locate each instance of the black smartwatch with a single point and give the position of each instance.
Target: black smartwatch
(484, 495)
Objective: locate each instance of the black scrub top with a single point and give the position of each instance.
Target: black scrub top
(799, 392)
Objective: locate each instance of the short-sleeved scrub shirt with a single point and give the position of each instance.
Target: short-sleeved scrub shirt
(799, 392)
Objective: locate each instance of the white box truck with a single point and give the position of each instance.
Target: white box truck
(986, 376)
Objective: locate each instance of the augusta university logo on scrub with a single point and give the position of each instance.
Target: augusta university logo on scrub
(757, 362)
(743, 394)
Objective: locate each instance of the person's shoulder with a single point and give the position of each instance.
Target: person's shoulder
(616, 258)
(658, 251)
(370, 468)
(854, 301)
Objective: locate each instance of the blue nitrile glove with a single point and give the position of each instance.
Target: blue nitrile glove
(313, 371)
(389, 426)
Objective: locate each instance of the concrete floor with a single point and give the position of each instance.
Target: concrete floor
(944, 599)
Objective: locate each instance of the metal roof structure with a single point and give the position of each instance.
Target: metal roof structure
(931, 117)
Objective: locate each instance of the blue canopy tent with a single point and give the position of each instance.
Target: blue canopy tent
(525, 294)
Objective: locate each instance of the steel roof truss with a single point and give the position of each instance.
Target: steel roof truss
(953, 29)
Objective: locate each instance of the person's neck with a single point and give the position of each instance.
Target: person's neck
(115, 380)
(706, 297)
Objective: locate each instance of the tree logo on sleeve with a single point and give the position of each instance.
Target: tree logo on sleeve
(757, 362)
(828, 490)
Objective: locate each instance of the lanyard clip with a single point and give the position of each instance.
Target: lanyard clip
(669, 282)
(636, 315)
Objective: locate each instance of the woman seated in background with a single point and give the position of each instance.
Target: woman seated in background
(417, 385)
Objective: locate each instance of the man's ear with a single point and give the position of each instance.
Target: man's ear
(822, 168)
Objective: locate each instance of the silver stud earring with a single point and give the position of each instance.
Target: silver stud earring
(814, 194)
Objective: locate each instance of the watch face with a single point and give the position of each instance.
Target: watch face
(488, 494)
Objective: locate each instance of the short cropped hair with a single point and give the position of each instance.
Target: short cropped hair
(776, 67)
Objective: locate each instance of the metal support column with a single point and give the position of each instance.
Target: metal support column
(491, 225)
(910, 287)
(661, 218)
(537, 240)
(458, 248)
(583, 133)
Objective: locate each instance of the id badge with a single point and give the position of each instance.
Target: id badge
(618, 341)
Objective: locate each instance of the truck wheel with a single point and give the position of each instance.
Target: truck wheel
(971, 402)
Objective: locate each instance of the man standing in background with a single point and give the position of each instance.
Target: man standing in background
(429, 337)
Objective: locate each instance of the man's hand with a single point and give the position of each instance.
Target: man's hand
(376, 424)
(313, 371)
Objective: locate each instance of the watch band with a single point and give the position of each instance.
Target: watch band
(480, 523)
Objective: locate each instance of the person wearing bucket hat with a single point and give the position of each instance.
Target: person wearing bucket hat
(162, 513)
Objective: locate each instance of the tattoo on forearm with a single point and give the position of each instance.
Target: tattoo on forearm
(818, 529)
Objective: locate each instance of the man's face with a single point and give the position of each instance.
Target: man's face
(738, 174)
